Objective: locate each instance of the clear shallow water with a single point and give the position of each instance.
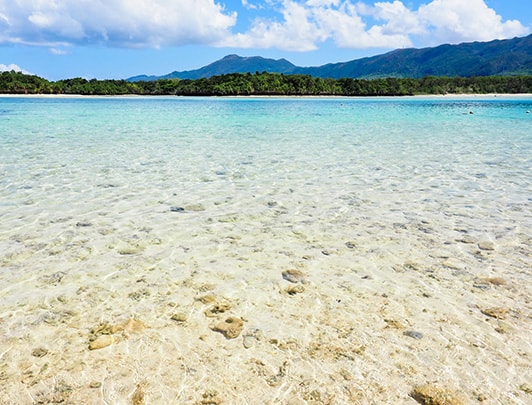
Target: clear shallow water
(400, 191)
(190, 138)
(75, 156)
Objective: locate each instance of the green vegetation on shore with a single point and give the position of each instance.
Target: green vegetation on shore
(275, 84)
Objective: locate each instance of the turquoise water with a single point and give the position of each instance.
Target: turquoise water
(63, 155)
(133, 207)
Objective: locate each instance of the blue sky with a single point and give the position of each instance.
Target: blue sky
(105, 39)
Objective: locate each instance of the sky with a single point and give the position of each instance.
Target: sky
(117, 39)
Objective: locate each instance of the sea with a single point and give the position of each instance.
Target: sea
(391, 215)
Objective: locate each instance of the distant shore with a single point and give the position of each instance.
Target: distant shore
(417, 96)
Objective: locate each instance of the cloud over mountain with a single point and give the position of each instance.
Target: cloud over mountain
(12, 67)
(293, 25)
(302, 25)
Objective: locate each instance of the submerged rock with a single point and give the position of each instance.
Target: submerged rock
(129, 250)
(195, 207)
(249, 341)
(103, 335)
(230, 328)
(495, 312)
(487, 282)
(252, 337)
(294, 276)
(503, 327)
(101, 341)
(218, 308)
(206, 299)
(431, 395)
(39, 352)
(413, 334)
(133, 326)
(139, 397)
(486, 245)
(179, 317)
(467, 239)
(293, 290)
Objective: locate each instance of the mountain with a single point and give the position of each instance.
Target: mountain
(228, 64)
(499, 57)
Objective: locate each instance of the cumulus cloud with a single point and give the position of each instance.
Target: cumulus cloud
(458, 20)
(12, 67)
(134, 23)
(304, 24)
(294, 25)
(297, 32)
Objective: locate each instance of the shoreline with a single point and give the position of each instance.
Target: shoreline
(294, 96)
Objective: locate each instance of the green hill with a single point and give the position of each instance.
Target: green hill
(509, 57)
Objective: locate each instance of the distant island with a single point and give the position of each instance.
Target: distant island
(501, 66)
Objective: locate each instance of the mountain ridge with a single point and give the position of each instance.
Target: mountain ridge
(493, 58)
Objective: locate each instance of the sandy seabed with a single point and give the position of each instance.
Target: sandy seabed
(376, 287)
(210, 306)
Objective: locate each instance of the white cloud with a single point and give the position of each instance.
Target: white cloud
(297, 32)
(306, 24)
(348, 29)
(294, 25)
(9, 68)
(398, 19)
(471, 20)
(134, 23)
(58, 51)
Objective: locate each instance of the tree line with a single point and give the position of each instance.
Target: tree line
(274, 84)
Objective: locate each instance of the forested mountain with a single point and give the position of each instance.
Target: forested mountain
(228, 64)
(495, 58)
